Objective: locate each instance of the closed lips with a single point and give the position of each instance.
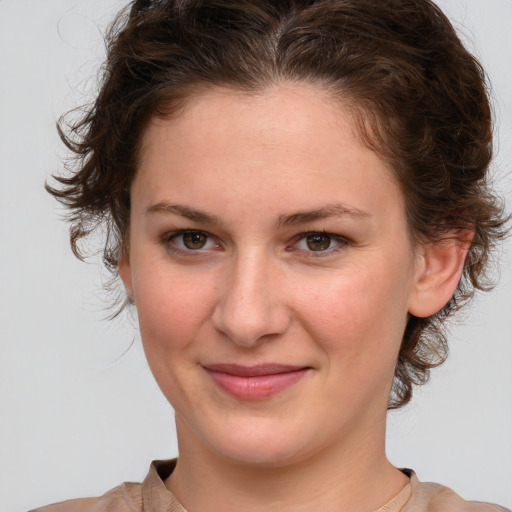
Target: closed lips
(253, 371)
(255, 382)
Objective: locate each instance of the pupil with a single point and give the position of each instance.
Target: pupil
(194, 240)
(318, 242)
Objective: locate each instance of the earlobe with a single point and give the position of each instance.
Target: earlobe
(438, 274)
(125, 273)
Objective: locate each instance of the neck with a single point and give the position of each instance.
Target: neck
(355, 476)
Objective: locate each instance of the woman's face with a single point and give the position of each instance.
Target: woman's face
(272, 272)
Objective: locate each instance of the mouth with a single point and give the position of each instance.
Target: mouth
(255, 382)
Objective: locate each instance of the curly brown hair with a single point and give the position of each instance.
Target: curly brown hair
(419, 97)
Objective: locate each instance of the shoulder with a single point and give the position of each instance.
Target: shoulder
(125, 498)
(151, 494)
(431, 497)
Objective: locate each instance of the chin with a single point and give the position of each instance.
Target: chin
(261, 457)
(262, 444)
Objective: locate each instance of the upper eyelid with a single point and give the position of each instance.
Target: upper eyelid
(298, 236)
(335, 236)
(318, 232)
(177, 232)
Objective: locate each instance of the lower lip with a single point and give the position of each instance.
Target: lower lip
(257, 387)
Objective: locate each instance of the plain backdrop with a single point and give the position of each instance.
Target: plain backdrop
(79, 411)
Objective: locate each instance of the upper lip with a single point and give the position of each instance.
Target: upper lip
(255, 370)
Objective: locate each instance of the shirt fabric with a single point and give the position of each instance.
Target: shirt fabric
(152, 496)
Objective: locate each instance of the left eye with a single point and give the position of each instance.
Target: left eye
(318, 242)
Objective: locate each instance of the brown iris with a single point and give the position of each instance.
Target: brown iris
(194, 240)
(318, 242)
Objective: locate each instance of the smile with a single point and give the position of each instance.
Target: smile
(255, 382)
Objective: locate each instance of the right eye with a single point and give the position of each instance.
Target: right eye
(190, 241)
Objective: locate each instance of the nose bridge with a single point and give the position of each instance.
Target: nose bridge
(250, 307)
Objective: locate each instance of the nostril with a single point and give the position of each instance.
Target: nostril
(246, 325)
(250, 308)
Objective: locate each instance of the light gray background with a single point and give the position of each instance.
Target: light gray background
(77, 417)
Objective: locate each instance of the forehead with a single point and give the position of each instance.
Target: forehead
(276, 111)
(284, 141)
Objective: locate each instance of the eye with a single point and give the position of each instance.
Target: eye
(319, 242)
(190, 240)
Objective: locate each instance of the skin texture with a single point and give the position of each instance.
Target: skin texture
(269, 170)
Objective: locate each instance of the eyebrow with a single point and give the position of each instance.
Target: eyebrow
(327, 212)
(184, 211)
(301, 217)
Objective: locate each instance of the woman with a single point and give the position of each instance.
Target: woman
(295, 198)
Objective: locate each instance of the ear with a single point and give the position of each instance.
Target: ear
(439, 269)
(125, 272)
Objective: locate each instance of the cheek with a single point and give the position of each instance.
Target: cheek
(359, 314)
(359, 326)
(172, 307)
(172, 311)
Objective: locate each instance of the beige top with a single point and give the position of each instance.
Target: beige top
(152, 496)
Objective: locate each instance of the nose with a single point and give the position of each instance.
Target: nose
(251, 306)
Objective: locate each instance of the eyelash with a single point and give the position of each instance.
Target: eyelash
(341, 243)
(168, 242)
